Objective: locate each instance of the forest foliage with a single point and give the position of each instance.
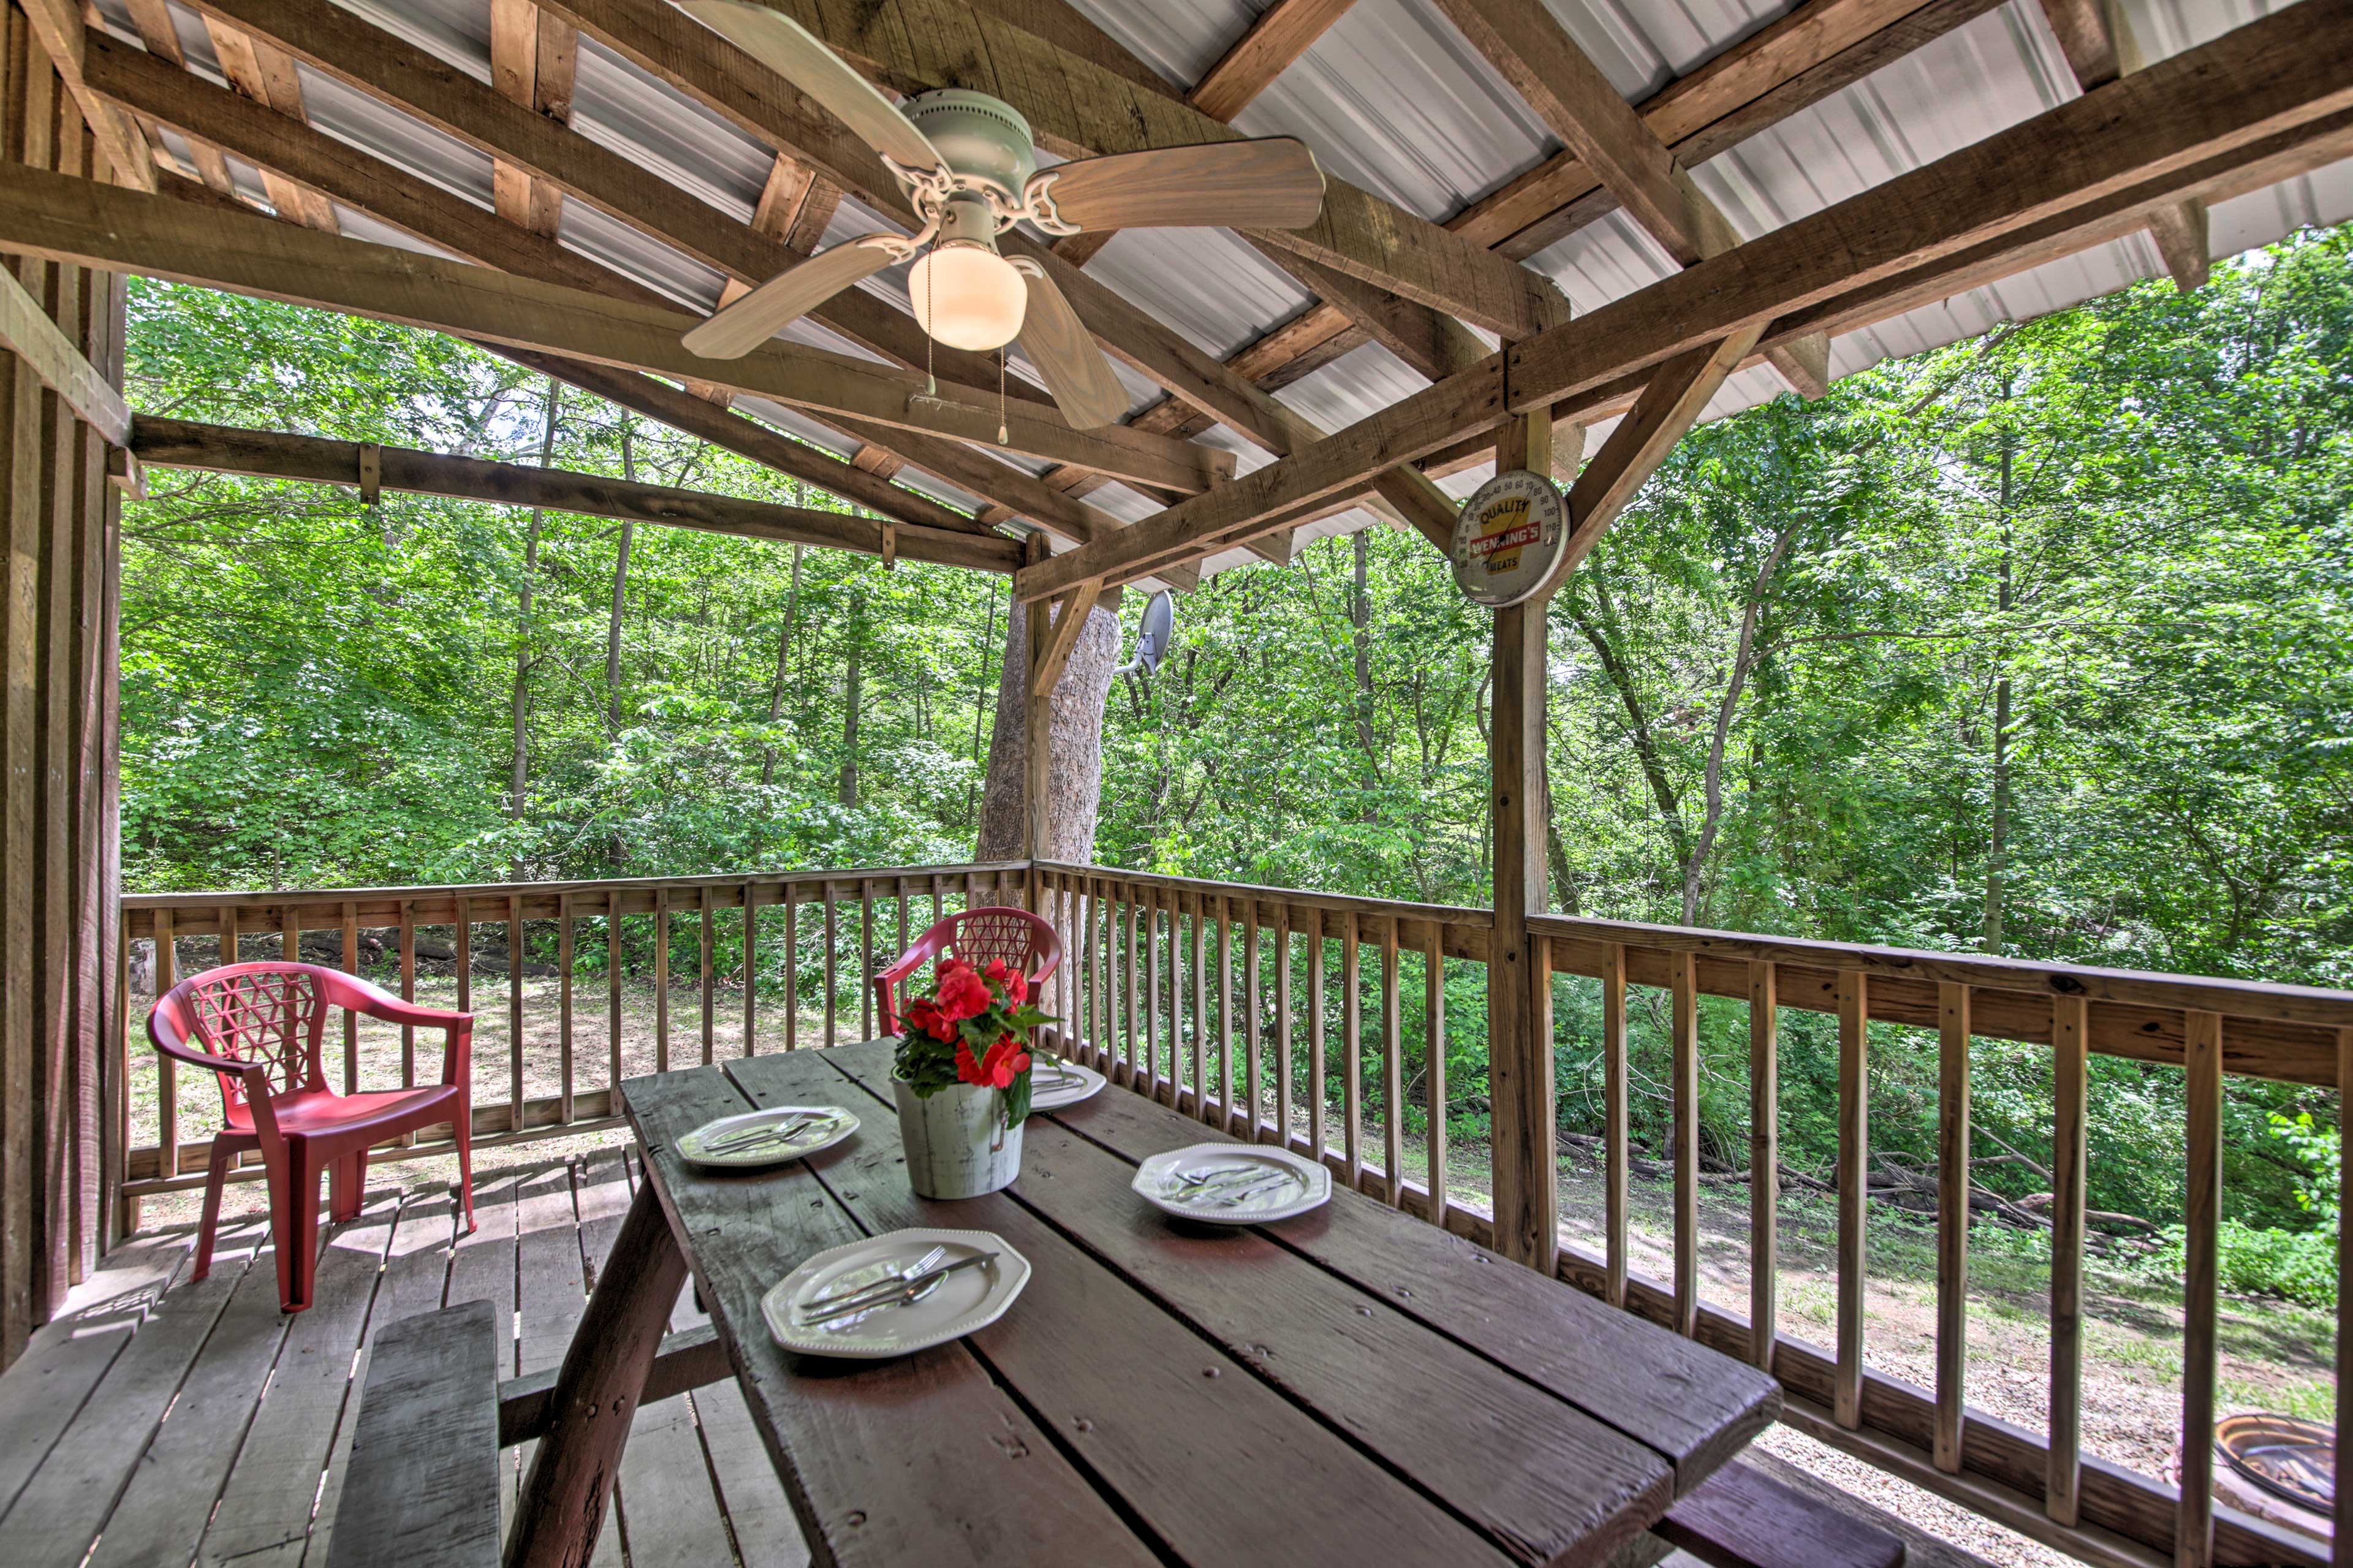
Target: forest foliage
(2040, 643)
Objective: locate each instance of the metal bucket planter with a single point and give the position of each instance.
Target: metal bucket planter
(957, 1147)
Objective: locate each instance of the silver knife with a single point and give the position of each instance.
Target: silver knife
(899, 1294)
(888, 1283)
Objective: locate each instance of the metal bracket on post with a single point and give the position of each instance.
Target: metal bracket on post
(370, 472)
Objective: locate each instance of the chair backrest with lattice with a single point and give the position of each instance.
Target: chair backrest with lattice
(1029, 945)
(268, 1014)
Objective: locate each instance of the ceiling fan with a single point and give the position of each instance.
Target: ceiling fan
(969, 168)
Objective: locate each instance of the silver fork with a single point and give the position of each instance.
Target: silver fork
(752, 1136)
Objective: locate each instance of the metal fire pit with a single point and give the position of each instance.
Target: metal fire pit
(2293, 1461)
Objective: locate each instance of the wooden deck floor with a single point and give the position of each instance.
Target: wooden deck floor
(160, 1423)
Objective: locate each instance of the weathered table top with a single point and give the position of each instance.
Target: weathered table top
(1349, 1387)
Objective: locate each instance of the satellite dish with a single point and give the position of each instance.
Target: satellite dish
(1152, 637)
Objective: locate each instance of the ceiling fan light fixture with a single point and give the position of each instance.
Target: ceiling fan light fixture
(967, 296)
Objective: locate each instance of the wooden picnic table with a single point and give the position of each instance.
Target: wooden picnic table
(1351, 1387)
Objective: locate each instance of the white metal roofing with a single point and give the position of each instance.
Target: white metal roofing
(1394, 99)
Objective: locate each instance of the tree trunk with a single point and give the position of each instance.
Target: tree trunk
(1744, 654)
(1074, 775)
(518, 778)
(1360, 618)
(1998, 849)
(784, 656)
(849, 701)
(620, 593)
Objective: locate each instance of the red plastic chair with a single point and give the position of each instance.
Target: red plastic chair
(1024, 941)
(259, 1026)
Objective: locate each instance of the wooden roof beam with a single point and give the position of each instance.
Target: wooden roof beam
(2275, 89)
(1280, 34)
(2097, 39)
(1526, 44)
(152, 19)
(120, 232)
(533, 59)
(266, 454)
(57, 26)
(1077, 108)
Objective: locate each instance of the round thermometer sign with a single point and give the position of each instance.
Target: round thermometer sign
(1509, 538)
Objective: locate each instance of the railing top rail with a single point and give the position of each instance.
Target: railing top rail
(491, 892)
(2211, 993)
(1444, 914)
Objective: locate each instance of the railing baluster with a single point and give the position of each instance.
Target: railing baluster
(833, 945)
(351, 1019)
(613, 994)
(1854, 1202)
(2342, 1554)
(1225, 1016)
(1315, 1041)
(1282, 1025)
(1683, 976)
(1152, 992)
(1200, 1006)
(1175, 997)
(1352, 1084)
(1250, 1020)
(564, 1005)
(1433, 1063)
(898, 897)
(1100, 917)
(1615, 1130)
(1763, 1162)
(2193, 1537)
(1952, 1223)
(1136, 1008)
(661, 980)
(1392, 1067)
(2070, 1057)
(751, 968)
(167, 1083)
(514, 1012)
(866, 959)
(793, 969)
(465, 946)
(708, 975)
(409, 993)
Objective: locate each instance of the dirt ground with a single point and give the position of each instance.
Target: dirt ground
(2275, 1355)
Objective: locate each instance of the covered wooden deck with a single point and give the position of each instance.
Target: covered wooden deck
(164, 1422)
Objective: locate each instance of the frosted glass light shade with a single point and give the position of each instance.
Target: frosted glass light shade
(968, 297)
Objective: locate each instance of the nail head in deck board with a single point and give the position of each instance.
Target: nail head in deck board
(1129, 1388)
(1607, 1362)
(976, 1460)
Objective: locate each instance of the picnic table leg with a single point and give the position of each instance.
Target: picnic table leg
(571, 1480)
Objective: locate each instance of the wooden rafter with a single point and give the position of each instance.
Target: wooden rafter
(1280, 34)
(2100, 47)
(251, 254)
(533, 60)
(1567, 91)
(57, 26)
(152, 19)
(2277, 88)
(267, 75)
(1077, 108)
(177, 443)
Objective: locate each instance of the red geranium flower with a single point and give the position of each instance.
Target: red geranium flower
(1015, 984)
(963, 994)
(925, 1016)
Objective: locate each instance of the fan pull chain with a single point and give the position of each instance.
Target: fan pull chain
(931, 381)
(1003, 439)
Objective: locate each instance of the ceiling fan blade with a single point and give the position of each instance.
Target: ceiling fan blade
(1074, 369)
(1272, 183)
(785, 46)
(785, 297)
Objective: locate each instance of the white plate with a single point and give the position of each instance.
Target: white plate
(1309, 1186)
(1044, 1094)
(962, 1303)
(837, 1125)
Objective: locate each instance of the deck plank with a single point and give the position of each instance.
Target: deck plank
(67, 1358)
(415, 1276)
(1544, 1481)
(264, 1517)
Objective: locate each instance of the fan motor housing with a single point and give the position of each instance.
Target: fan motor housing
(985, 140)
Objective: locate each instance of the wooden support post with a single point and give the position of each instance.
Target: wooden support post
(562, 1504)
(1519, 995)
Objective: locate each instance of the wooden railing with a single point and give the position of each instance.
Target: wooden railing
(831, 928)
(1220, 999)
